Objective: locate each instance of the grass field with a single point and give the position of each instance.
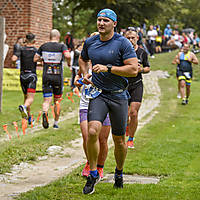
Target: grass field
(29, 147)
(168, 147)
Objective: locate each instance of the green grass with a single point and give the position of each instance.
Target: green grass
(167, 147)
(29, 147)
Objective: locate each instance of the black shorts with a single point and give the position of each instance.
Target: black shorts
(186, 76)
(136, 92)
(52, 84)
(28, 82)
(117, 109)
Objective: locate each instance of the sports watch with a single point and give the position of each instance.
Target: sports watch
(109, 67)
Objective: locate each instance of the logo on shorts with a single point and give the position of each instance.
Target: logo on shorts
(111, 51)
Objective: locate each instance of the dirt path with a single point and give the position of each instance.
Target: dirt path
(25, 176)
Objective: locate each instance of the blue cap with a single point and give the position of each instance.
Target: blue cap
(108, 13)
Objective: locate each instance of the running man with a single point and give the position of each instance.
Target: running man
(113, 58)
(28, 77)
(135, 87)
(184, 59)
(52, 54)
(103, 135)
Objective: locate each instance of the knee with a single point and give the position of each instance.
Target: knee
(93, 133)
(182, 84)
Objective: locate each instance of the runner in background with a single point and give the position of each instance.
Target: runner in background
(184, 59)
(28, 77)
(17, 46)
(103, 135)
(52, 54)
(135, 87)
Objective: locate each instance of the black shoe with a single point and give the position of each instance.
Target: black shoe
(186, 101)
(91, 182)
(118, 181)
(183, 102)
(55, 126)
(45, 122)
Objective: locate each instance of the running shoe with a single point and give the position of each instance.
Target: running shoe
(55, 126)
(186, 101)
(45, 122)
(179, 95)
(129, 144)
(100, 170)
(183, 102)
(29, 120)
(23, 111)
(86, 170)
(91, 182)
(118, 181)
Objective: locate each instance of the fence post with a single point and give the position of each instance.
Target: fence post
(2, 35)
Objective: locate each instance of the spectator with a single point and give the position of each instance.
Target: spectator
(75, 65)
(175, 41)
(152, 34)
(158, 40)
(167, 33)
(17, 47)
(196, 41)
(69, 41)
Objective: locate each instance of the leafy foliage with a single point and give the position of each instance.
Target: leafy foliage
(79, 16)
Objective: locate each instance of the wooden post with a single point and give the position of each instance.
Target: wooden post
(2, 35)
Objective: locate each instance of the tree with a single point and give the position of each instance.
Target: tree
(79, 16)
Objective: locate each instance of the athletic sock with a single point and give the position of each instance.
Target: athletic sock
(56, 123)
(94, 173)
(130, 138)
(100, 166)
(118, 172)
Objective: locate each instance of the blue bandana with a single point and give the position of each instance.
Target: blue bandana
(108, 13)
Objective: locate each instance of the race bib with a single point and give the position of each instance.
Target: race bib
(187, 75)
(92, 92)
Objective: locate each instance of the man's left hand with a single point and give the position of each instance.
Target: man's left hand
(99, 68)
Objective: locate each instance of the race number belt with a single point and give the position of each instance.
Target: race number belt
(53, 69)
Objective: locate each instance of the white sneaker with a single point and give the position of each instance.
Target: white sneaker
(179, 95)
(23, 111)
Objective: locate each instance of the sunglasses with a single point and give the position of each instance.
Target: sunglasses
(131, 29)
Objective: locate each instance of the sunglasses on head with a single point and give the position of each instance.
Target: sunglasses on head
(131, 29)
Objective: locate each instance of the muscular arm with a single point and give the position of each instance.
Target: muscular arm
(176, 59)
(37, 58)
(129, 69)
(83, 69)
(67, 55)
(194, 59)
